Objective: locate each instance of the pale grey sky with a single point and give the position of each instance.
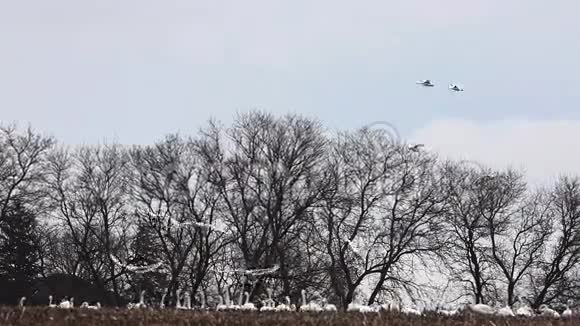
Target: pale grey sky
(132, 71)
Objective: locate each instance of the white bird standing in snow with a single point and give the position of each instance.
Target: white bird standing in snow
(221, 306)
(328, 306)
(187, 301)
(50, 304)
(505, 311)
(270, 301)
(567, 313)
(87, 306)
(360, 308)
(284, 306)
(229, 303)
(162, 303)
(140, 304)
(446, 312)
(248, 305)
(411, 311)
(178, 299)
(523, 310)
(267, 306)
(481, 308)
(311, 306)
(548, 312)
(202, 301)
(66, 304)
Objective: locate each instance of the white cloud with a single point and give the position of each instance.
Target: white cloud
(543, 149)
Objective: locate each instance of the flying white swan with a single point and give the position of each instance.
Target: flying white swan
(134, 268)
(201, 225)
(425, 82)
(456, 88)
(252, 272)
(415, 148)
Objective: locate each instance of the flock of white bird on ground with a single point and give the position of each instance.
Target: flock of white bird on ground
(519, 309)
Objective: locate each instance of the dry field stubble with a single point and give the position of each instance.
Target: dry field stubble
(32, 316)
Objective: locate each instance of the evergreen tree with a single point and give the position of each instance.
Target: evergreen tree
(19, 254)
(145, 252)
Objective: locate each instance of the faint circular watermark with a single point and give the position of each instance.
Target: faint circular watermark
(387, 128)
(482, 174)
(472, 165)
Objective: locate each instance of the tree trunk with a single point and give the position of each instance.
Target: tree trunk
(377, 288)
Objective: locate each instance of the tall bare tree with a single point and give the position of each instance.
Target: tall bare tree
(518, 231)
(270, 177)
(468, 257)
(175, 200)
(385, 210)
(556, 268)
(22, 158)
(89, 186)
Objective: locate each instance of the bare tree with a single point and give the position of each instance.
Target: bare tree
(90, 190)
(385, 210)
(176, 201)
(468, 257)
(556, 269)
(22, 158)
(270, 178)
(54, 240)
(518, 232)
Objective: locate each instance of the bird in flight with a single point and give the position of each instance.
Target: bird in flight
(456, 88)
(426, 83)
(415, 148)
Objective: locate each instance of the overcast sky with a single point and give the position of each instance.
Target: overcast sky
(135, 70)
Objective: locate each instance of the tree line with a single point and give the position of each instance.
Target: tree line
(334, 213)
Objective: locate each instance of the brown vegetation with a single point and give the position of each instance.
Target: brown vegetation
(111, 317)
